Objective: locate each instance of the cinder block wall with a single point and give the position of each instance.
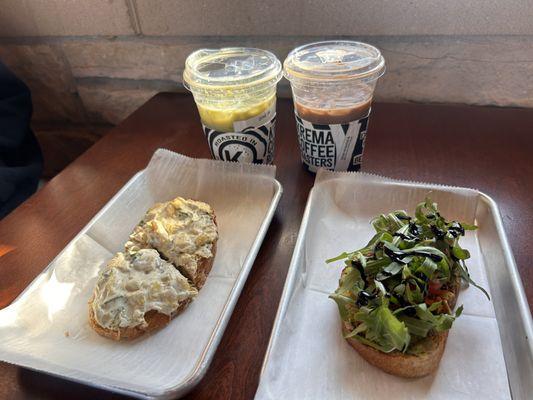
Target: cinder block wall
(90, 63)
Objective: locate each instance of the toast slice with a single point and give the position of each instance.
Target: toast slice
(184, 232)
(137, 293)
(402, 364)
(396, 295)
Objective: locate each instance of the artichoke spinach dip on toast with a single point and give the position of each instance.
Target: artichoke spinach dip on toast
(396, 296)
(162, 268)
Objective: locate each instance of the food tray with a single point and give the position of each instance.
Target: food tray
(46, 328)
(488, 354)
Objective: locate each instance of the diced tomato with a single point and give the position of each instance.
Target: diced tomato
(430, 301)
(434, 288)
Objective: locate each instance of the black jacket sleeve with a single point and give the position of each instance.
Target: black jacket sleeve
(21, 161)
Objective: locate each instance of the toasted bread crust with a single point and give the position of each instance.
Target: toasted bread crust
(398, 363)
(204, 268)
(204, 265)
(155, 320)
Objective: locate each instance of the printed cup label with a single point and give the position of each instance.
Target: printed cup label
(337, 147)
(252, 141)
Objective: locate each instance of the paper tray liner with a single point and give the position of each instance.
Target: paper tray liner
(308, 357)
(46, 328)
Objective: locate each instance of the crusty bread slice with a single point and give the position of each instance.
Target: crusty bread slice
(139, 240)
(398, 363)
(154, 319)
(402, 364)
(203, 267)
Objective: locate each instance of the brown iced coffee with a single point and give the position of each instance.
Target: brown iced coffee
(332, 85)
(332, 115)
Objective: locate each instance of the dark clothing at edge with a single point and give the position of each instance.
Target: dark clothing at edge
(21, 162)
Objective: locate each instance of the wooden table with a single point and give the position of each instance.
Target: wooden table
(490, 149)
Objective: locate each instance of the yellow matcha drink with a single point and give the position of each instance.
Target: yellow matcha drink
(235, 92)
(221, 117)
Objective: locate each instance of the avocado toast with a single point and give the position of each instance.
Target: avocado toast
(396, 296)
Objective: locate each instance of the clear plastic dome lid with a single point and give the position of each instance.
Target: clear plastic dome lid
(230, 67)
(334, 61)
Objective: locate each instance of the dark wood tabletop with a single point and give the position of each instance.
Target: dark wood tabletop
(490, 149)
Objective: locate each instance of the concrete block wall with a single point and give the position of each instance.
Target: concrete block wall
(90, 63)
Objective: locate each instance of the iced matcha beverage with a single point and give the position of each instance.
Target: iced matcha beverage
(235, 92)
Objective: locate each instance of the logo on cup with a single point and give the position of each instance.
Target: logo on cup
(333, 146)
(251, 145)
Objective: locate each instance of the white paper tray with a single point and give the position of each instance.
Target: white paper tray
(488, 354)
(46, 327)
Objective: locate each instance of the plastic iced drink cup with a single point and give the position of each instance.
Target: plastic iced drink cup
(332, 86)
(235, 92)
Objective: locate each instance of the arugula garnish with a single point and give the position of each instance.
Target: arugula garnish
(401, 286)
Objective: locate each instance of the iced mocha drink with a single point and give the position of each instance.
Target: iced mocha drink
(333, 85)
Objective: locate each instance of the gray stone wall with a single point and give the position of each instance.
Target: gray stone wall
(90, 63)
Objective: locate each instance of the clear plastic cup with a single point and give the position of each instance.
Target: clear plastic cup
(235, 92)
(332, 85)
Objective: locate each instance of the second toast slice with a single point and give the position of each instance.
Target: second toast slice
(184, 232)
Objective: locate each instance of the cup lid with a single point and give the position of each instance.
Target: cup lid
(333, 61)
(230, 67)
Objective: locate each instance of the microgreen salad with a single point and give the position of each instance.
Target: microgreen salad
(402, 286)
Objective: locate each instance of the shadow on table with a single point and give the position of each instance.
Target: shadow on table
(43, 386)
